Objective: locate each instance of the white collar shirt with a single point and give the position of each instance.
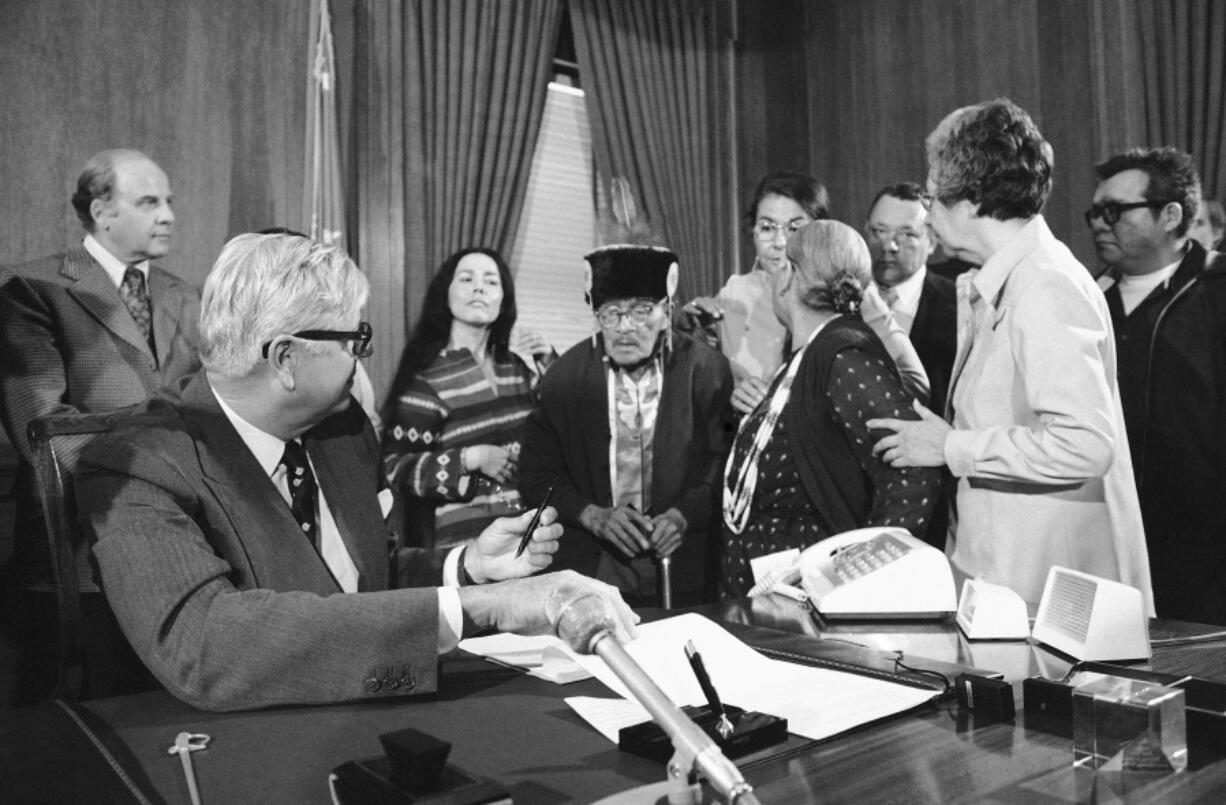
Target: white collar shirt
(112, 265)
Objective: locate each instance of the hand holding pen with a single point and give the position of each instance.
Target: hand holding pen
(722, 725)
(536, 518)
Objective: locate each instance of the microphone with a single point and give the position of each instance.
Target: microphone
(585, 627)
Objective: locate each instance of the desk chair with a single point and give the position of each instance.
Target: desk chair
(56, 442)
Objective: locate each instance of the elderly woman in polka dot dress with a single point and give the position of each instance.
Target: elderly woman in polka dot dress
(802, 467)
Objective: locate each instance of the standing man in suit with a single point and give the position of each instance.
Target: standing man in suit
(1167, 299)
(922, 302)
(92, 330)
(241, 529)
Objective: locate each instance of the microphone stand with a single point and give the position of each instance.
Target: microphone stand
(694, 750)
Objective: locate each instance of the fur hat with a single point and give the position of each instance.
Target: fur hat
(626, 271)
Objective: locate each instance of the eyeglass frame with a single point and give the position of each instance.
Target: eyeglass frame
(774, 228)
(362, 335)
(898, 236)
(629, 314)
(1116, 209)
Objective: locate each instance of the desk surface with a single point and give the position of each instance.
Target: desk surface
(517, 730)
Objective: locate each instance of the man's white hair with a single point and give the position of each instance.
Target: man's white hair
(263, 286)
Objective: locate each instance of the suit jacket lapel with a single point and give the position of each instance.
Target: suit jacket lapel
(919, 325)
(94, 291)
(167, 305)
(336, 470)
(596, 426)
(279, 556)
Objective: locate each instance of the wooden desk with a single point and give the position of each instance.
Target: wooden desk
(517, 730)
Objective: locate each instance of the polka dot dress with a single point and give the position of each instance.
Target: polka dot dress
(782, 516)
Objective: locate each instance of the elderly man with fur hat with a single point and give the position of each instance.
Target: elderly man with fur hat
(631, 430)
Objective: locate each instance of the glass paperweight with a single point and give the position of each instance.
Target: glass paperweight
(1129, 725)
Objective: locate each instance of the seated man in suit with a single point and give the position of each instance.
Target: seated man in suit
(240, 529)
(922, 302)
(92, 330)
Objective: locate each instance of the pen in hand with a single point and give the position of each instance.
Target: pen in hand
(536, 518)
(722, 725)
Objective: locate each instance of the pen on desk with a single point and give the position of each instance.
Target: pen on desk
(722, 725)
(536, 518)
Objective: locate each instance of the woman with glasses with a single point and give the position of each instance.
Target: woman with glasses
(741, 319)
(629, 434)
(802, 467)
(455, 412)
(1037, 443)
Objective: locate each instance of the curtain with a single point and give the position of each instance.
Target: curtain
(655, 74)
(447, 103)
(1185, 81)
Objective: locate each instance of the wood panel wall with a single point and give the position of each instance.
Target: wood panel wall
(878, 76)
(213, 91)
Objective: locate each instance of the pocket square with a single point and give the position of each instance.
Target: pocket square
(385, 502)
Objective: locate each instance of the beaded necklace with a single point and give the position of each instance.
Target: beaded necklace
(739, 494)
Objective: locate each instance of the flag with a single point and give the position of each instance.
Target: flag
(322, 192)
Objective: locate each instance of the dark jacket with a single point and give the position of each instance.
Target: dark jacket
(568, 433)
(1175, 406)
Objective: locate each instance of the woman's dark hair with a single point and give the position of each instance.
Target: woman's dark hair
(802, 188)
(433, 329)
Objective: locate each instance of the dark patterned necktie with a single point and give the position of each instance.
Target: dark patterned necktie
(137, 300)
(301, 488)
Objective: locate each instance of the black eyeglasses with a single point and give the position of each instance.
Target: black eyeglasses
(356, 341)
(1110, 211)
(639, 313)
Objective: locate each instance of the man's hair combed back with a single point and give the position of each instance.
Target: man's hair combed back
(833, 266)
(97, 180)
(263, 286)
(802, 188)
(903, 191)
(992, 155)
(1172, 177)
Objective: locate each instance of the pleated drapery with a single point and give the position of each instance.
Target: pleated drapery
(450, 98)
(655, 76)
(1183, 48)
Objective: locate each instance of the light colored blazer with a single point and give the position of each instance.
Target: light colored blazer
(1039, 447)
(213, 582)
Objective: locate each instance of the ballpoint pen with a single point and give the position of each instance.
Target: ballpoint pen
(536, 518)
(722, 725)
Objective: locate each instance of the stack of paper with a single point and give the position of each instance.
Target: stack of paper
(542, 656)
(817, 702)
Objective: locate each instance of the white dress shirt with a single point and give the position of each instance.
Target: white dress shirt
(909, 292)
(268, 450)
(1136, 289)
(113, 266)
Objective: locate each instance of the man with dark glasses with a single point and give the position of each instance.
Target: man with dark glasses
(1167, 298)
(241, 530)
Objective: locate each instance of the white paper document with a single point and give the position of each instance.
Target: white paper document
(542, 656)
(817, 702)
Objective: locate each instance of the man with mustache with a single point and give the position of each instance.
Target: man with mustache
(633, 425)
(1167, 299)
